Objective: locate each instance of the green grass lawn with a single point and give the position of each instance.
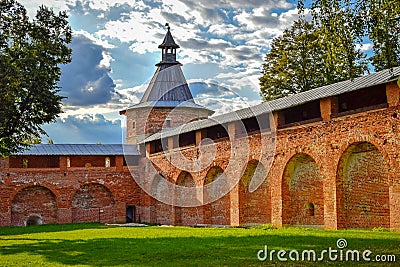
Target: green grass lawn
(98, 245)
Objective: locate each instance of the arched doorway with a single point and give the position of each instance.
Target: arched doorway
(218, 211)
(302, 192)
(34, 202)
(93, 203)
(188, 215)
(34, 220)
(254, 207)
(160, 212)
(362, 190)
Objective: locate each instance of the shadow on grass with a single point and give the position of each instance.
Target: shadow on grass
(47, 228)
(190, 251)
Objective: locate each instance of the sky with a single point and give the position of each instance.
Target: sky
(115, 49)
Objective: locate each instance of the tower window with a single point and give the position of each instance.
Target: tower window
(168, 123)
(133, 124)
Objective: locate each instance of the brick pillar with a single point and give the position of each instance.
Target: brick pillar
(119, 163)
(279, 118)
(4, 163)
(275, 176)
(394, 205)
(232, 130)
(234, 193)
(171, 143)
(392, 94)
(63, 163)
(64, 215)
(200, 134)
(143, 210)
(5, 214)
(234, 197)
(330, 196)
(328, 106)
(147, 150)
(119, 212)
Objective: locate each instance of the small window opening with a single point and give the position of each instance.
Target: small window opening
(108, 162)
(68, 162)
(310, 209)
(133, 124)
(25, 163)
(168, 123)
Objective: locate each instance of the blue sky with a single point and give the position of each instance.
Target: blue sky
(115, 49)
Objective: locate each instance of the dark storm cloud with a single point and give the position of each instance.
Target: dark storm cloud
(84, 130)
(84, 81)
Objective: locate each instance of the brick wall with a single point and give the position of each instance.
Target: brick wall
(75, 195)
(340, 172)
(303, 184)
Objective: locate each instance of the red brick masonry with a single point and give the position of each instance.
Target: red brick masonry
(342, 171)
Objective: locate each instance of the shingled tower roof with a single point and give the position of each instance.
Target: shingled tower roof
(168, 40)
(168, 87)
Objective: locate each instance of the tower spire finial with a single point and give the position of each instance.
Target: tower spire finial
(167, 25)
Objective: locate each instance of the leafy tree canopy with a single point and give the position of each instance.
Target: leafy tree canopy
(327, 48)
(30, 54)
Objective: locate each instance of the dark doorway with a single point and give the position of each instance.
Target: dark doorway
(34, 220)
(130, 214)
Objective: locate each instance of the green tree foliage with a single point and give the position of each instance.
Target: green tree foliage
(310, 55)
(340, 32)
(30, 54)
(294, 63)
(377, 21)
(340, 28)
(382, 25)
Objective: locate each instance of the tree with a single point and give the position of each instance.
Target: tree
(30, 54)
(293, 64)
(382, 23)
(377, 21)
(340, 31)
(317, 53)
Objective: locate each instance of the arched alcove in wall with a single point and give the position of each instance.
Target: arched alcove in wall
(93, 203)
(38, 201)
(218, 211)
(160, 212)
(187, 215)
(254, 207)
(302, 192)
(362, 189)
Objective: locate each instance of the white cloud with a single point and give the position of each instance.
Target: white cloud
(221, 41)
(33, 5)
(364, 47)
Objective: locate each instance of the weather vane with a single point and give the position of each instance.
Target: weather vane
(168, 27)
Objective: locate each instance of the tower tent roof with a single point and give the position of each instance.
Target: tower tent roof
(168, 87)
(168, 84)
(168, 40)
